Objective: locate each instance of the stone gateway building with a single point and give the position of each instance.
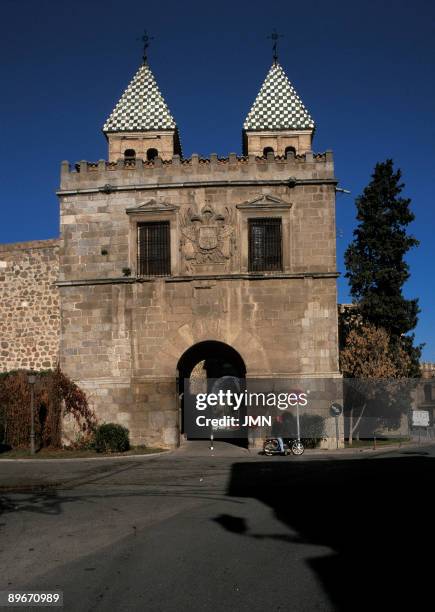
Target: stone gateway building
(166, 263)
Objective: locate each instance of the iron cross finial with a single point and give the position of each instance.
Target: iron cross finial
(275, 36)
(146, 43)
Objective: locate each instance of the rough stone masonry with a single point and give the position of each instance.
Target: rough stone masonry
(29, 305)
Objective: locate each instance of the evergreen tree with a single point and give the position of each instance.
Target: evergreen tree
(375, 260)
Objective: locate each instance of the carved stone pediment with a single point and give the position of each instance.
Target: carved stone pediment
(264, 202)
(151, 206)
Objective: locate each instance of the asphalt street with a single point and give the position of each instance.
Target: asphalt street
(195, 530)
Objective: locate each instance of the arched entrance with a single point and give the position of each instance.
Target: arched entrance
(206, 360)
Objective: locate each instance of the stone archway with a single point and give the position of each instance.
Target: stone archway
(246, 344)
(209, 359)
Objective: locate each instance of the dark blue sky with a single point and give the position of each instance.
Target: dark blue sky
(364, 70)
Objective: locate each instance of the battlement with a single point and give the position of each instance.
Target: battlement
(124, 172)
(29, 245)
(195, 159)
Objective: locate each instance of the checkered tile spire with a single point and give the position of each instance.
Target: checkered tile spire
(277, 105)
(141, 106)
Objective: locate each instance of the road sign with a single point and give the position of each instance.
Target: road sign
(336, 409)
(420, 418)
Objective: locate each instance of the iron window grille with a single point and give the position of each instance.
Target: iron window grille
(154, 256)
(265, 245)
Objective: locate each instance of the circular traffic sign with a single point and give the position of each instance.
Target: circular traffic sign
(336, 409)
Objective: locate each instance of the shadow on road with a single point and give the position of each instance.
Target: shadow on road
(35, 503)
(375, 515)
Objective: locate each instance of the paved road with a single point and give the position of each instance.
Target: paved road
(190, 531)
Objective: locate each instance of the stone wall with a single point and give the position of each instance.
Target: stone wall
(140, 142)
(99, 236)
(427, 369)
(123, 341)
(255, 142)
(29, 305)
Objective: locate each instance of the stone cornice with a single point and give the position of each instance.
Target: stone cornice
(195, 278)
(289, 182)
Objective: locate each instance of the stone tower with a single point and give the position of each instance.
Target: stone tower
(141, 124)
(278, 122)
(169, 262)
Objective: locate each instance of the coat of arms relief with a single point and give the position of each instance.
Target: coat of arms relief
(208, 239)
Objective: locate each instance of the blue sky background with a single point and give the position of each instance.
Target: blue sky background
(364, 70)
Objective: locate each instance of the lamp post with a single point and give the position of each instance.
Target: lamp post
(31, 379)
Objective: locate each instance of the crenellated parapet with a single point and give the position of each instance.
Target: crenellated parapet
(104, 174)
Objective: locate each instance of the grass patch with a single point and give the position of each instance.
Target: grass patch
(65, 453)
(379, 442)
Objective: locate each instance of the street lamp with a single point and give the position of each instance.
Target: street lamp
(31, 379)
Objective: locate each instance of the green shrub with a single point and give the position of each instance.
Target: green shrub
(111, 438)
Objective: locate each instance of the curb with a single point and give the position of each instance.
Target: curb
(379, 449)
(69, 459)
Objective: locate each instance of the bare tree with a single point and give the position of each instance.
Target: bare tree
(367, 355)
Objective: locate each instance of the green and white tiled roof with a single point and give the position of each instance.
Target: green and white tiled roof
(277, 105)
(141, 106)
